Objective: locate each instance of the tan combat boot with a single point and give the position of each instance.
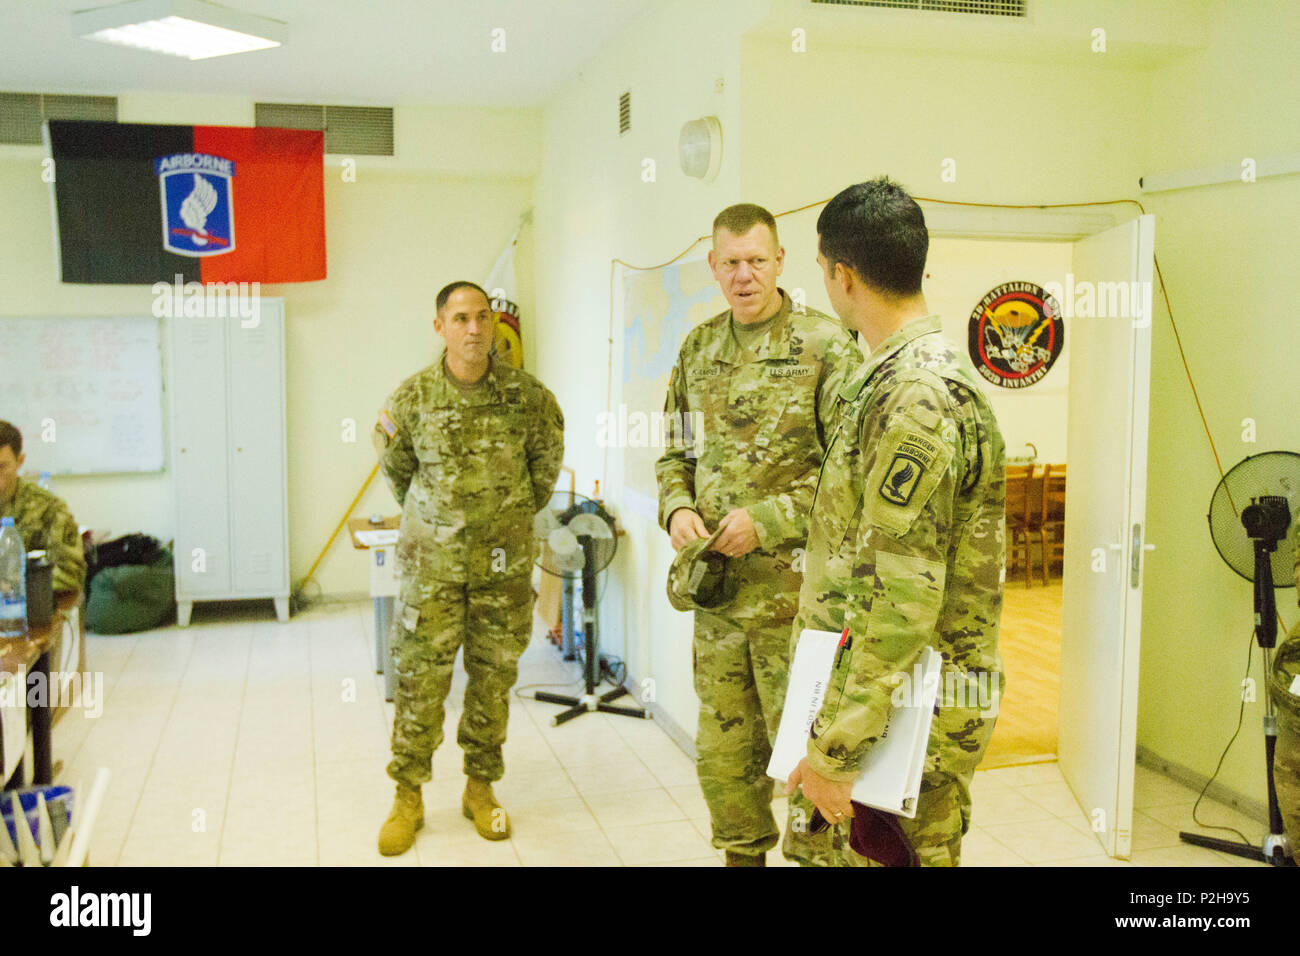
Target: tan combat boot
(398, 832)
(479, 805)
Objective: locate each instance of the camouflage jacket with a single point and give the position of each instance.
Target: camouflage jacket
(470, 469)
(47, 525)
(763, 420)
(906, 549)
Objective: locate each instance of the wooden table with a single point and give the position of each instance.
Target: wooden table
(31, 653)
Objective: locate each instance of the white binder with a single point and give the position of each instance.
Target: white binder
(891, 775)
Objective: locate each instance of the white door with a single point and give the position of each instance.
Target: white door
(1110, 365)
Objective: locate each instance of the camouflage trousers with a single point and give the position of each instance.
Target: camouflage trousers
(493, 621)
(741, 670)
(942, 819)
(1286, 755)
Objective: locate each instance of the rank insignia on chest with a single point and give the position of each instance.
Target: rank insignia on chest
(901, 479)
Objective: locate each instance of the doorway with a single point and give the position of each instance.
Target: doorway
(1033, 419)
(1097, 401)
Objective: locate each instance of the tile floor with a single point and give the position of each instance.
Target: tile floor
(240, 741)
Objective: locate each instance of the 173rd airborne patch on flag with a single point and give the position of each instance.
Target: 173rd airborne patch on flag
(138, 203)
(196, 216)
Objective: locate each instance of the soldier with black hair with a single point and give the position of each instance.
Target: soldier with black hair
(906, 538)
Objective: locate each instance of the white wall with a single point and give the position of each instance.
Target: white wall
(887, 96)
(1228, 257)
(959, 272)
(440, 210)
(592, 204)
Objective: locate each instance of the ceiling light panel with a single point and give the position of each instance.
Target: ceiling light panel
(191, 29)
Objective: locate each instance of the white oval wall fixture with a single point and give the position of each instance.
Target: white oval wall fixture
(699, 148)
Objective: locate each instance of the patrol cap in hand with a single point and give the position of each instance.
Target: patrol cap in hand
(699, 579)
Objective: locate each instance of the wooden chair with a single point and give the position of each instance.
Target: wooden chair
(1034, 507)
(1019, 478)
(1051, 525)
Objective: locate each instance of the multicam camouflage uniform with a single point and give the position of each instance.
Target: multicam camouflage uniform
(470, 468)
(45, 524)
(765, 419)
(1286, 756)
(906, 549)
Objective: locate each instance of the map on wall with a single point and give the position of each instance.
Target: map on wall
(659, 307)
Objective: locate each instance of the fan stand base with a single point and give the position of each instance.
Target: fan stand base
(589, 703)
(1275, 850)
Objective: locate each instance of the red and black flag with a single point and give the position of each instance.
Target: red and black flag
(139, 203)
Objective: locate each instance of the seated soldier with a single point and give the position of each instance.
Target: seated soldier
(40, 516)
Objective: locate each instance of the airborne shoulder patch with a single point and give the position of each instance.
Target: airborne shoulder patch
(913, 453)
(386, 423)
(912, 462)
(901, 479)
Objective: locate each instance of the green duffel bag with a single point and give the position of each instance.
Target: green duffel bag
(132, 597)
(1286, 758)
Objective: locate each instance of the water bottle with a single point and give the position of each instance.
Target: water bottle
(13, 581)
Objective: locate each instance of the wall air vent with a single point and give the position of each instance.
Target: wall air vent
(349, 130)
(624, 112)
(986, 8)
(21, 114)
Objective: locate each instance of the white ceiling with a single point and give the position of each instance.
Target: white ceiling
(382, 52)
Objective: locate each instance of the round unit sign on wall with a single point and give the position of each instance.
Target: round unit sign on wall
(1016, 334)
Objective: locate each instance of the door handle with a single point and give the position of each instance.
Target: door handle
(1135, 561)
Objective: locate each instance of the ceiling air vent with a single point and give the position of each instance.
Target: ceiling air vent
(987, 8)
(624, 112)
(349, 130)
(21, 114)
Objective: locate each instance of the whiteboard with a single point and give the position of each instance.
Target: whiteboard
(85, 392)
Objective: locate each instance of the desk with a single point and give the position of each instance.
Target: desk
(383, 591)
(31, 654)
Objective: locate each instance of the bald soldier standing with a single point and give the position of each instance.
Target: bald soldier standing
(762, 378)
(471, 448)
(905, 546)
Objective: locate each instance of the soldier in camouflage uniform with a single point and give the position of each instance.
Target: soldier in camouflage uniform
(40, 516)
(761, 380)
(905, 545)
(1286, 756)
(471, 449)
